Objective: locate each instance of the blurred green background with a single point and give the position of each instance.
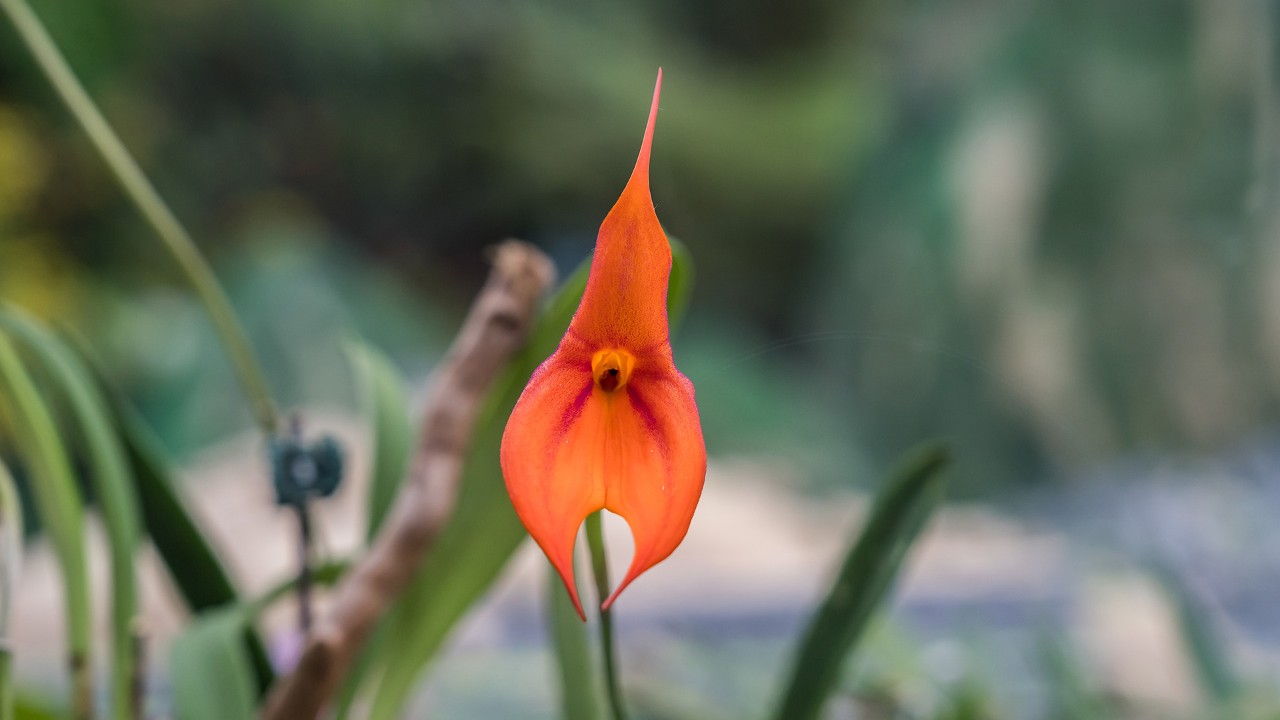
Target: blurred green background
(1037, 228)
(1042, 229)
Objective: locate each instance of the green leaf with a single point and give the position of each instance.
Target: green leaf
(58, 503)
(211, 669)
(1203, 642)
(10, 548)
(211, 666)
(680, 286)
(10, 555)
(109, 473)
(579, 680)
(899, 514)
(385, 397)
(484, 530)
(197, 572)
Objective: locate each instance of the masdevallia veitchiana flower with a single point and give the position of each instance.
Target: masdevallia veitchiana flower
(608, 422)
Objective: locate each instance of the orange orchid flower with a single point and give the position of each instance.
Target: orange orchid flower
(607, 422)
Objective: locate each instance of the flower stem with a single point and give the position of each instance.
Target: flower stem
(600, 566)
(148, 201)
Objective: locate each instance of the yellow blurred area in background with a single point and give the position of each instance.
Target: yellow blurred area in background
(30, 275)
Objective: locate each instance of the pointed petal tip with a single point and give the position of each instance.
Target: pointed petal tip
(564, 567)
(642, 162)
(608, 603)
(577, 604)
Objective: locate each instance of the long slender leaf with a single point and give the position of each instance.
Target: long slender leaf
(211, 670)
(109, 474)
(194, 566)
(385, 398)
(869, 570)
(579, 678)
(59, 505)
(10, 547)
(484, 531)
(10, 555)
(198, 573)
(1204, 644)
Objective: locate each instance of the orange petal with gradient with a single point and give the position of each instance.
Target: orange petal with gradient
(607, 422)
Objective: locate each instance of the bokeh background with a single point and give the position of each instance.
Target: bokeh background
(1043, 230)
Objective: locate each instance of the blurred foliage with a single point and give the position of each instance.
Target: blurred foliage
(1034, 226)
(1039, 228)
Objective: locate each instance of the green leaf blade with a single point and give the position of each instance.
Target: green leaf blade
(211, 670)
(385, 398)
(109, 473)
(195, 567)
(899, 514)
(59, 505)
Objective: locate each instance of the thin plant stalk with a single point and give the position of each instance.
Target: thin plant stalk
(304, 568)
(138, 673)
(10, 555)
(600, 568)
(111, 482)
(153, 208)
(61, 511)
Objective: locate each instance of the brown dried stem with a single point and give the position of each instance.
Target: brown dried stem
(495, 327)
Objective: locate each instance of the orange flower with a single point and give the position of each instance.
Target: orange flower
(607, 422)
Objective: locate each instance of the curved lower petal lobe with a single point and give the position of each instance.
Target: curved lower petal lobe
(658, 465)
(546, 460)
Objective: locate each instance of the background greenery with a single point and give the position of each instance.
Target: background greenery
(1037, 227)
(1040, 228)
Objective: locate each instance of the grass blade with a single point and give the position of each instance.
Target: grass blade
(1204, 644)
(385, 397)
(153, 209)
(194, 566)
(10, 548)
(899, 514)
(109, 474)
(10, 555)
(58, 503)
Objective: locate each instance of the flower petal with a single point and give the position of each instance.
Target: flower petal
(571, 448)
(625, 303)
(548, 455)
(656, 462)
